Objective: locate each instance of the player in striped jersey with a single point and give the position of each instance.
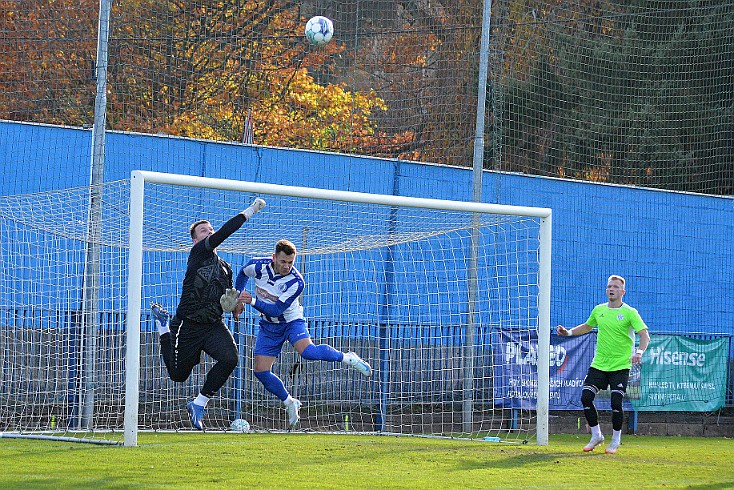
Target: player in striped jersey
(278, 285)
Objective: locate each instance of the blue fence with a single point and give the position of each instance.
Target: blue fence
(673, 248)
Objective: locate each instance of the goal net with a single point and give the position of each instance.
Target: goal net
(424, 290)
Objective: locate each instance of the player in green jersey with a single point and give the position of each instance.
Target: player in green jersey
(617, 323)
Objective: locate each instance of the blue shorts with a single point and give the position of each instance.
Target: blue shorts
(272, 336)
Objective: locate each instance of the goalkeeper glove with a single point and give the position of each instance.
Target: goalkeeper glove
(229, 299)
(257, 205)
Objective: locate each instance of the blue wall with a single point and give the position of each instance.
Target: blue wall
(673, 248)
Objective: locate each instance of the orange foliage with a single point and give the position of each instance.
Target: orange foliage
(184, 68)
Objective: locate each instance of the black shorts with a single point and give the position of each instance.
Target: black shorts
(601, 380)
(190, 339)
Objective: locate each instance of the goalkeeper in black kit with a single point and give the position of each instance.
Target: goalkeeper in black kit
(198, 324)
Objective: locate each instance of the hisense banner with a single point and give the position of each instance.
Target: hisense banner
(681, 374)
(677, 373)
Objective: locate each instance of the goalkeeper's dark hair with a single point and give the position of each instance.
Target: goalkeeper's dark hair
(285, 246)
(192, 228)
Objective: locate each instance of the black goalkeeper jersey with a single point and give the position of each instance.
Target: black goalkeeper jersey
(207, 276)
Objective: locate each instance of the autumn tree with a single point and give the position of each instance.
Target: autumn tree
(187, 68)
(47, 52)
(421, 58)
(200, 70)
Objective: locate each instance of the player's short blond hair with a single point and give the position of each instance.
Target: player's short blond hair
(618, 278)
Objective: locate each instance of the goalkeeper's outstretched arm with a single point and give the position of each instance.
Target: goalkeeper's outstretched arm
(234, 223)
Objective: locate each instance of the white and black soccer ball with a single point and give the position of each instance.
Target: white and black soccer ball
(240, 425)
(319, 30)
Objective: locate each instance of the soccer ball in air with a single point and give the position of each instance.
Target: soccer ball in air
(240, 425)
(319, 30)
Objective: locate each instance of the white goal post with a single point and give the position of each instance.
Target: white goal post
(386, 226)
(448, 301)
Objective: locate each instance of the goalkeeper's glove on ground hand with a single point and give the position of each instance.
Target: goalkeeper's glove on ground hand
(229, 299)
(257, 205)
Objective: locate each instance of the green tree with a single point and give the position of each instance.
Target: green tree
(647, 103)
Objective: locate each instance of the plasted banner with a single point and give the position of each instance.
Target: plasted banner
(681, 374)
(567, 377)
(515, 369)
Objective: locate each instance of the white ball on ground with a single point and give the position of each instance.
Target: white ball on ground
(240, 425)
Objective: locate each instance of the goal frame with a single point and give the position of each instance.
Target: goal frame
(139, 178)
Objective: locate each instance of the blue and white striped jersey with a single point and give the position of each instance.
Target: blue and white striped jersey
(276, 296)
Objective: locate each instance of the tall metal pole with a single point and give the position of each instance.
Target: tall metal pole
(478, 166)
(90, 289)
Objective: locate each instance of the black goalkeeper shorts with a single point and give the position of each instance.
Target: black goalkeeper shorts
(615, 380)
(190, 339)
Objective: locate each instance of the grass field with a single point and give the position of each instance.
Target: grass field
(195, 460)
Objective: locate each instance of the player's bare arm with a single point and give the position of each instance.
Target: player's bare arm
(644, 341)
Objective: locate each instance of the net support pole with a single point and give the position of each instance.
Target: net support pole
(100, 101)
(134, 297)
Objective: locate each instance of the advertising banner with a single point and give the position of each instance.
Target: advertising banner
(515, 369)
(677, 373)
(516, 375)
(567, 374)
(681, 374)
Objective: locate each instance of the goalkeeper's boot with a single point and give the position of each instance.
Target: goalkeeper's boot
(595, 441)
(353, 360)
(613, 446)
(160, 317)
(196, 413)
(292, 410)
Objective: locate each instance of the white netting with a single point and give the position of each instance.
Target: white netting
(391, 283)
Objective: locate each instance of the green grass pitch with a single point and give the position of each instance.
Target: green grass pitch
(299, 460)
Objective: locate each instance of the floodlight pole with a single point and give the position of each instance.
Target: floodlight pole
(472, 273)
(89, 315)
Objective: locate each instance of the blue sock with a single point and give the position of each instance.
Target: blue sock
(323, 352)
(273, 384)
